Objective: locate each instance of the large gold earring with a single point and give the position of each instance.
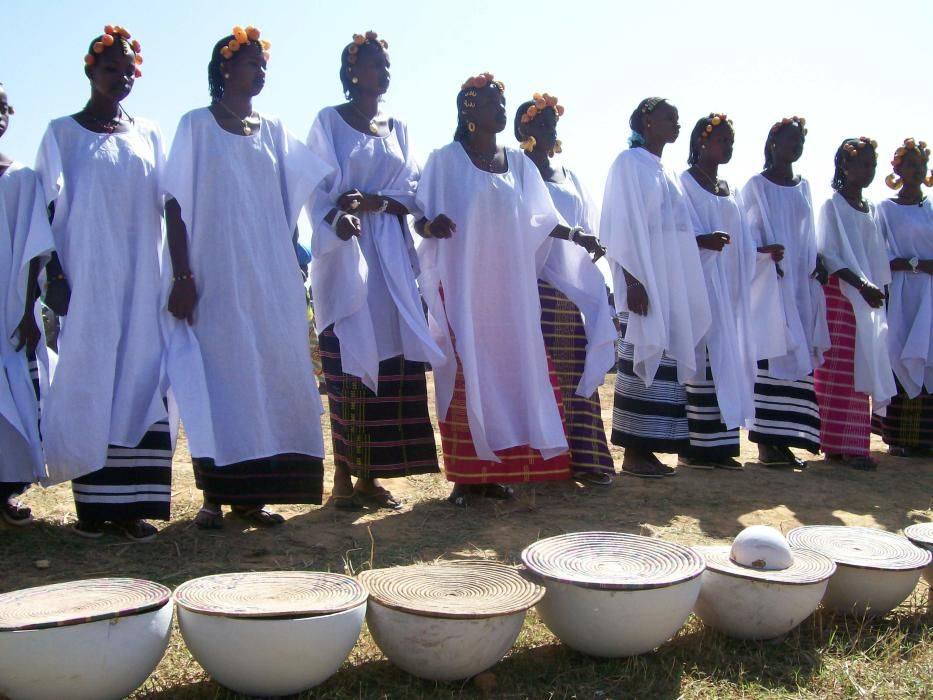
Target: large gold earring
(528, 145)
(471, 127)
(928, 180)
(558, 146)
(893, 181)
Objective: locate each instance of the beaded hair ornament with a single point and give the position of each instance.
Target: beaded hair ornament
(112, 34)
(854, 146)
(243, 37)
(647, 106)
(370, 37)
(892, 180)
(471, 85)
(798, 121)
(714, 120)
(541, 102)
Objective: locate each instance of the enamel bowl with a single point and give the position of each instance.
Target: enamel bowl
(97, 639)
(448, 621)
(755, 603)
(921, 535)
(611, 594)
(875, 570)
(271, 633)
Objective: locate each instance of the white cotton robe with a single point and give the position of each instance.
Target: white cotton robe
(646, 228)
(784, 215)
(908, 232)
(366, 286)
(242, 374)
(847, 238)
(729, 274)
(489, 276)
(570, 269)
(24, 228)
(107, 229)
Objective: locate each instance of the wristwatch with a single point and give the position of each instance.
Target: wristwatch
(914, 262)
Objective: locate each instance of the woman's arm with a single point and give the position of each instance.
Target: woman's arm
(184, 295)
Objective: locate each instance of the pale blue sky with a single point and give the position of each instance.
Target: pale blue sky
(850, 68)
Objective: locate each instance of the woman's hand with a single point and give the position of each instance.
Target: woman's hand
(351, 201)
(58, 295)
(347, 227)
(183, 298)
(636, 298)
(775, 250)
(589, 243)
(27, 333)
(820, 272)
(440, 227)
(872, 295)
(717, 240)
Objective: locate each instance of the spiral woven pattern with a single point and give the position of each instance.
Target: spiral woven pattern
(78, 602)
(861, 547)
(808, 567)
(264, 594)
(457, 589)
(612, 561)
(921, 535)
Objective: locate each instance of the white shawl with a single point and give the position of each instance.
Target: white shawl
(847, 238)
(490, 302)
(366, 286)
(908, 231)
(784, 215)
(646, 229)
(570, 269)
(242, 372)
(24, 229)
(108, 385)
(729, 274)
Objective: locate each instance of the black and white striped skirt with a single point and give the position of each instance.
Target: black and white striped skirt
(135, 483)
(786, 412)
(648, 418)
(710, 439)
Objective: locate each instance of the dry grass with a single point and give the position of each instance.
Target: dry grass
(826, 657)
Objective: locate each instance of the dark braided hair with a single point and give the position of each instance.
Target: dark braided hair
(120, 43)
(215, 80)
(776, 130)
(637, 121)
(346, 80)
(849, 148)
(462, 132)
(522, 108)
(696, 136)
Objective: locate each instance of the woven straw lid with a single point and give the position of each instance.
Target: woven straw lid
(860, 547)
(457, 589)
(921, 535)
(808, 567)
(264, 594)
(77, 602)
(612, 561)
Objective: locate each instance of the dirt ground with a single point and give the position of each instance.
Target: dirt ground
(696, 507)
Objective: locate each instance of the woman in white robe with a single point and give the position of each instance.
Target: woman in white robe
(374, 336)
(487, 213)
(237, 346)
(576, 318)
(778, 210)
(105, 422)
(720, 398)
(660, 293)
(24, 230)
(906, 222)
(857, 367)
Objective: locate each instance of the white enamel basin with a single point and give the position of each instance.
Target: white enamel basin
(857, 591)
(102, 660)
(442, 649)
(264, 657)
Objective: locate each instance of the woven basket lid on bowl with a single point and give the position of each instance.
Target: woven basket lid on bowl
(860, 547)
(78, 602)
(265, 594)
(455, 589)
(808, 566)
(921, 535)
(612, 561)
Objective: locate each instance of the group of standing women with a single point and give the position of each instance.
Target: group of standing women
(723, 323)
